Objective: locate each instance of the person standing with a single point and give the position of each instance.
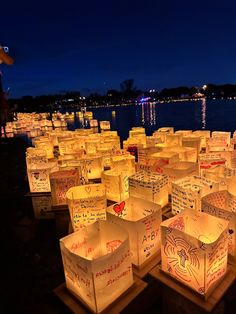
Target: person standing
(4, 58)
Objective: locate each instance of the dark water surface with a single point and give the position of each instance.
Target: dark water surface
(202, 114)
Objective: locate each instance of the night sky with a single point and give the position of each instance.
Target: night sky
(92, 46)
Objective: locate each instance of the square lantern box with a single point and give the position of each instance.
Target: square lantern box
(216, 174)
(93, 165)
(179, 170)
(97, 264)
(210, 160)
(188, 191)
(38, 178)
(87, 204)
(141, 219)
(174, 139)
(35, 156)
(204, 135)
(149, 186)
(192, 141)
(222, 204)
(159, 160)
(123, 163)
(61, 181)
(116, 185)
(42, 205)
(194, 250)
(144, 153)
(105, 125)
(185, 153)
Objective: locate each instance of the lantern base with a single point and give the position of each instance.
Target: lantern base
(77, 306)
(142, 270)
(212, 300)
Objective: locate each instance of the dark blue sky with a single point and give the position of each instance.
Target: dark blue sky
(92, 46)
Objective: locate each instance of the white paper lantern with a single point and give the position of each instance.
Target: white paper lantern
(194, 250)
(141, 219)
(116, 185)
(188, 191)
(222, 204)
(87, 204)
(150, 186)
(97, 264)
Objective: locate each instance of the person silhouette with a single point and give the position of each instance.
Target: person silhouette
(4, 58)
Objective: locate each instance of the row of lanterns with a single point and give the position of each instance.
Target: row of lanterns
(194, 170)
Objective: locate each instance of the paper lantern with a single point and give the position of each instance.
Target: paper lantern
(204, 135)
(91, 146)
(35, 156)
(42, 206)
(166, 129)
(144, 153)
(136, 131)
(185, 153)
(210, 160)
(179, 170)
(149, 186)
(97, 264)
(93, 165)
(116, 185)
(192, 141)
(222, 204)
(93, 123)
(105, 125)
(38, 178)
(123, 163)
(141, 219)
(184, 132)
(87, 204)
(218, 142)
(194, 249)
(61, 181)
(160, 159)
(174, 139)
(70, 146)
(188, 191)
(106, 155)
(151, 141)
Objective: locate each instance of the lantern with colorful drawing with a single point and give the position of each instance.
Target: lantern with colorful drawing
(194, 250)
(141, 219)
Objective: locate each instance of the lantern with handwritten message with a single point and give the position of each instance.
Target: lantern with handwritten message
(174, 139)
(204, 135)
(188, 191)
(210, 160)
(116, 185)
(105, 125)
(185, 153)
(97, 264)
(222, 204)
(61, 181)
(149, 186)
(179, 170)
(160, 159)
(194, 250)
(42, 206)
(123, 163)
(141, 219)
(87, 204)
(93, 166)
(192, 141)
(35, 156)
(38, 177)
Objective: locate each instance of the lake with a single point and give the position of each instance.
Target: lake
(202, 114)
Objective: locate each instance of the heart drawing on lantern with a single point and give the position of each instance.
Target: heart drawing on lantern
(88, 189)
(118, 208)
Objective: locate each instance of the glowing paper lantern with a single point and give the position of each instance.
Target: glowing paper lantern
(194, 249)
(105, 125)
(179, 170)
(61, 181)
(188, 191)
(93, 123)
(87, 204)
(160, 159)
(185, 153)
(38, 177)
(174, 139)
(222, 204)
(35, 156)
(97, 264)
(184, 132)
(93, 166)
(123, 163)
(141, 219)
(149, 186)
(210, 160)
(192, 141)
(204, 135)
(144, 153)
(116, 185)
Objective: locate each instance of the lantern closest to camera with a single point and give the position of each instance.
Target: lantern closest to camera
(141, 219)
(87, 204)
(61, 181)
(97, 264)
(194, 250)
(222, 204)
(149, 186)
